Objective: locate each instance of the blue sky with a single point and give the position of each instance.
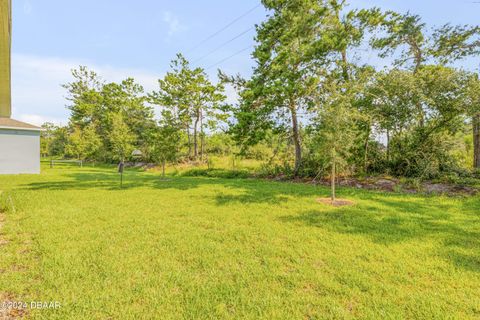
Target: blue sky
(121, 38)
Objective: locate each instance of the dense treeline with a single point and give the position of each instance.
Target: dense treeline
(312, 106)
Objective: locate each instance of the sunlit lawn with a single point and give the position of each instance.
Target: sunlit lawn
(210, 248)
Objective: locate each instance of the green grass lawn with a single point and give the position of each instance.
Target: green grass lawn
(210, 248)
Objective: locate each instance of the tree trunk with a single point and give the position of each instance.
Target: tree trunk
(388, 145)
(202, 137)
(189, 143)
(418, 58)
(332, 182)
(367, 140)
(346, 76)
(202, 145)
(195, 138)
(476, 141)
(365, 160)
(296, 140)
(418, 65)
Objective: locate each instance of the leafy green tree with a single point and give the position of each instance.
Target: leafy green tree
(344, 31)
(192, 99)
(414, 148)
(121, 139)
(174, 96)
(165, 140)
(300, 43)
(126, 98)
(83, 143)
(394, 105)
(84, 97)
(417, 45)
(59, 141)
(453, 43)
(283, 80)
(446, 44)
(46, 138)
(335, 132)
(92, 101)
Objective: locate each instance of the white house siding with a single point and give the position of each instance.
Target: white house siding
(19, 151)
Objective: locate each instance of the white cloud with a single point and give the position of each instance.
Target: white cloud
(37, 95)
(38, 120)
(173, 23)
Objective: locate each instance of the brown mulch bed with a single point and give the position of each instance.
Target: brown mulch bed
(336, 203)
(390, 184)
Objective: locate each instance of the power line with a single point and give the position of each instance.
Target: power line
(223, 45)
(228, 58)
(223, 28)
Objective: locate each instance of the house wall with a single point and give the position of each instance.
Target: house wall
(19, 151)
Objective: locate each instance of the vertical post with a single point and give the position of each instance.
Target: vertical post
(120, 170)
(163, 169)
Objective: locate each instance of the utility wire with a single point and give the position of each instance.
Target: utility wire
(223, 28)
(228, 58)
(223, 45)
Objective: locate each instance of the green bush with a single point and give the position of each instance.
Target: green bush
(218, 173)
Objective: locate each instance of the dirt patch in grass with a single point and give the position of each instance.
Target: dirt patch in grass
(336, 203)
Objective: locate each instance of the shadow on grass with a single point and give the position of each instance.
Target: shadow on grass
(382, 218)
(249, 190)
(391, 221)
